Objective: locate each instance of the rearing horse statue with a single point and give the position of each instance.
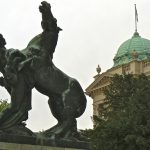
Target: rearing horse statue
(31, 68)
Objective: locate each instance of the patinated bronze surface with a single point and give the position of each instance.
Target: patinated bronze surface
(33, 67)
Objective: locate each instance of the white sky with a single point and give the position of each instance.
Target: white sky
(92, 32)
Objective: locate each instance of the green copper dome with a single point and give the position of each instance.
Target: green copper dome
(136, 48)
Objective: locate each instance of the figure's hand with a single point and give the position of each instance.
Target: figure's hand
(2, 81)
(44, 7)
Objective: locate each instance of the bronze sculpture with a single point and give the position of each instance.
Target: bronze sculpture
(33, 67)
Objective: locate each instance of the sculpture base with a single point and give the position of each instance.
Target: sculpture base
(13, 146)
(15, 142)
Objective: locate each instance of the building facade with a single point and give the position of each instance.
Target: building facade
(133, 56)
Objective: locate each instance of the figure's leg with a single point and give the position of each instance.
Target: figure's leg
(21, 97)
(21, 94)
(20, 104)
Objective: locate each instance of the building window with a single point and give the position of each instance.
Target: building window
(126, 68)
(146, 64)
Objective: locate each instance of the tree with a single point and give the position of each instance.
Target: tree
(124, 121)
(3, 105)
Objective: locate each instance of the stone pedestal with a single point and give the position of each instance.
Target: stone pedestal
(16, 142)
(14, 146)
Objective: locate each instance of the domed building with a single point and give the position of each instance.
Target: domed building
(133, 56)
(135, 48)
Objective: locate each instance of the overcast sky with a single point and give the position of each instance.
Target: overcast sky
(92, 32)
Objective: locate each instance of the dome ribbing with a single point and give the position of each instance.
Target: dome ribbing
(135, 48)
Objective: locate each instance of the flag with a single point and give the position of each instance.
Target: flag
(136, 14)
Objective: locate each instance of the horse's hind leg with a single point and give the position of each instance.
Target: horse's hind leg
(56, 107)
(67, 129)
(66, 121)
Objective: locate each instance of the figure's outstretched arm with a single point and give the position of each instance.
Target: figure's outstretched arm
(2, 41)
(49, 23)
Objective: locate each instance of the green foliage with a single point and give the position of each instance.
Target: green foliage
(124, 120)
(3, 105)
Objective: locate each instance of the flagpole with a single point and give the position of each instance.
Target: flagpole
(136, 18)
